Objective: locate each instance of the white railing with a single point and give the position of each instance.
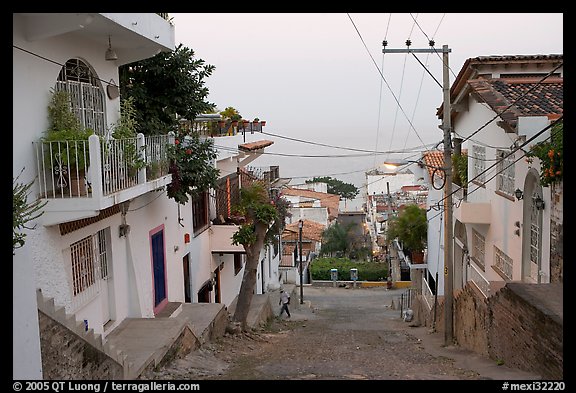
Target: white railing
(62, 167)
(66, 169)
(427, 294)
(478, 279)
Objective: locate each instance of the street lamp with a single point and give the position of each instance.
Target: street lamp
(393, 164)
(300, 225)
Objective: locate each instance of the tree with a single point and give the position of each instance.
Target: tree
(337, 187)
(22, 211)
(259, 216)
(165, 87)
(231, 113)
(335, 239)
(410, 227)
(551, 155)
(191, 166)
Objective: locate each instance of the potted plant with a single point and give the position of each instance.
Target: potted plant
(411, 229)
(66, 145)
(126, 129)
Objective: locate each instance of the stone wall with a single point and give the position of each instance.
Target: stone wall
(527, 334)
(65, 355)
(521, 325)
(557, 234)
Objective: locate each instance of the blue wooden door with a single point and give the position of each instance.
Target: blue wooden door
(159, 269)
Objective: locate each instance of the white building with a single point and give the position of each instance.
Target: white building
(498, 104)
(115, 246)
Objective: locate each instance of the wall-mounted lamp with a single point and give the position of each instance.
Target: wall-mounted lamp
(519, 194)
(539, 202)
(110, 54)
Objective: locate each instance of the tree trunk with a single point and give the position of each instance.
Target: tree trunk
(249, 278)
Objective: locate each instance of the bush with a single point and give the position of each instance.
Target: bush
(367, 271)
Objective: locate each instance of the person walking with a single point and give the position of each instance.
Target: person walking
(284, 302)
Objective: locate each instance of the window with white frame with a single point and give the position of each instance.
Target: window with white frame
(478, 249)
(503, 262)
(479, 161)
(505, 172)
(89, 262)
(86, 94)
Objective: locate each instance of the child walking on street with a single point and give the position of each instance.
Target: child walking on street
(284, 302)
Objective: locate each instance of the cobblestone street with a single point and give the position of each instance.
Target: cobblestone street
(337, 334)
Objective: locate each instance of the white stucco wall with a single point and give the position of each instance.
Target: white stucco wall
(504, 211)
(26, 357)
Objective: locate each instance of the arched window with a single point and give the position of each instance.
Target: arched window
(86, 94)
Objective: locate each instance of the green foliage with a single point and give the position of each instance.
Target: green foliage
(22, 211)
(191, 166)
(282, 206)
(127, 125)
(367, 271)
(337, 187)
(410, 227)
(127, 128)
(166, 87)
(231, 113)
(335, 239)
(60, 116)
(63, 125)
(551, 155)
(256, 207)
(460, 165)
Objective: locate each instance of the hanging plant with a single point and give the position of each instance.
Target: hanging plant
(191, 166)
(551, 155)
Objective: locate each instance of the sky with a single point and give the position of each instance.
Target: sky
(322, 78)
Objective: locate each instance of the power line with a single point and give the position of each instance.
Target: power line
(387, 85)
(519, 148)
(511, 104)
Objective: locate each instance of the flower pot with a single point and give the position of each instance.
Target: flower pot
(77, 185)
(417, 256)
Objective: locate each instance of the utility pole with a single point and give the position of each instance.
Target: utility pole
(448, 229)
(300, 225)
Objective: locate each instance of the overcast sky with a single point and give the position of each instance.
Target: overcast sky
(316, 76)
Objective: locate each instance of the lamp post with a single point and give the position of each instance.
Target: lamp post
(300, 225)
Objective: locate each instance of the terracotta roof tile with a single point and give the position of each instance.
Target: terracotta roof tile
(329, 201)
(514, 97)
(311, 230)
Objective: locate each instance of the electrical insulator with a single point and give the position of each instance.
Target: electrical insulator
(408, 42)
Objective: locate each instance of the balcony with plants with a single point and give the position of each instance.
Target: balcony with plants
(81, 173)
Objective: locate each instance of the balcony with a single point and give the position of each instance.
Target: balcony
(212, 125)
(81, 178)
(473, 213)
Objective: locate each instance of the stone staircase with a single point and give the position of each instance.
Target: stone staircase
(58, 314)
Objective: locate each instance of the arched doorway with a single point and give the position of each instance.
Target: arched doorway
(532, 229)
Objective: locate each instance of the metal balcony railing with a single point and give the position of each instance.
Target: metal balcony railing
(72, 169)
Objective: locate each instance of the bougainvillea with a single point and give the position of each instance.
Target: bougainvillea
(191, 165)
(551, 155)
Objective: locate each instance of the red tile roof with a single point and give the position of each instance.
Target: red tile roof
(435, 159)
(329, 201)
(311, 230)
(469, 70)
(513, 97)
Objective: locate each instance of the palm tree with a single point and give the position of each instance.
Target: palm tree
(335, 239)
